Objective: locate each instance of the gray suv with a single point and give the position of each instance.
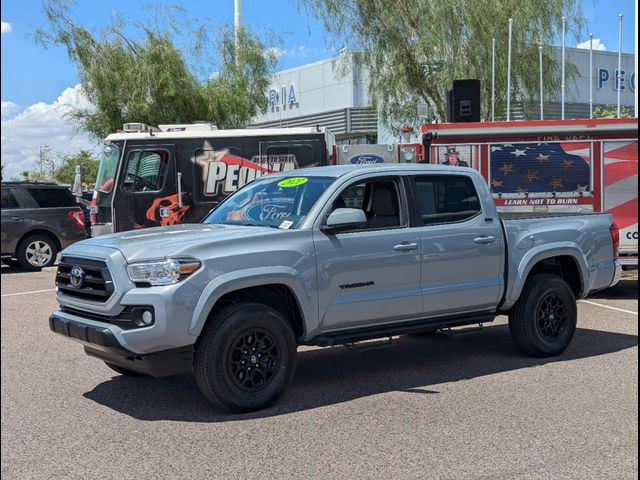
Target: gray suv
(38, 220)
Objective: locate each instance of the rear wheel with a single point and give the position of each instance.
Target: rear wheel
(36, 252)
(245, 357)
(543, 320)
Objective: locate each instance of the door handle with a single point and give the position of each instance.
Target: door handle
(18, 219)
(484, 240)
(405, 247)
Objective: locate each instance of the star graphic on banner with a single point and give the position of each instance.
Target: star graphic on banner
(543, 158)
(493, 149)
(567, 164)
(496, 183)
(556, 183)
(506, 168)
(518, 153)
(532, 175)
(519, 189)
(581, 188)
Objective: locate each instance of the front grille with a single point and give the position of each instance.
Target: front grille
(96, 284)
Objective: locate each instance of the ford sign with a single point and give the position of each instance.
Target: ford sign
(366, 159)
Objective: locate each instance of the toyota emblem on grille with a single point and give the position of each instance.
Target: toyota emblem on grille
(76, 277)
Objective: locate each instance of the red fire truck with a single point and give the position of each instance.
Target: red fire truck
(550, 166)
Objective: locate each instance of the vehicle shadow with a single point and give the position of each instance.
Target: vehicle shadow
(334, 375)
(626, 289)
(9, 269)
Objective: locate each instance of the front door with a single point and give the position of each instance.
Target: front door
(371, 274)
(147, 193)
(462, 249)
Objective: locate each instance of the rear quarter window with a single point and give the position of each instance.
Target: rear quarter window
(52, 197)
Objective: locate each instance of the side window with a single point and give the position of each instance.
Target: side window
(379, 199)
(445, 199)
(52, 197)
(145, 171)
(8, 200)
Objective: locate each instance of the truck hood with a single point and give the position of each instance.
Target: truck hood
(161, 242)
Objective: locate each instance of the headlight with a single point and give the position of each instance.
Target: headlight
(162, 272)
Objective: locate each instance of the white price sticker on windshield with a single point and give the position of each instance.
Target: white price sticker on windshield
(286, 224)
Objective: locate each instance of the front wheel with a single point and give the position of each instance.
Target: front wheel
(543, 320)
(245, 357)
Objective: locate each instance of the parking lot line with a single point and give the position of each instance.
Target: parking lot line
(27, 293)
(610, 307)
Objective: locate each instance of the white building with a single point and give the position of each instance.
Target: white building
(333, 93)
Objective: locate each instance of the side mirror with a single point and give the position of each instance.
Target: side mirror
(344, 219)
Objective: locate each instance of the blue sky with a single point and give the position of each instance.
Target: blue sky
(38, 84)
(32, 74)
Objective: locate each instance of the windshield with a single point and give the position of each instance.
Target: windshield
(278, 203)
(107, 169)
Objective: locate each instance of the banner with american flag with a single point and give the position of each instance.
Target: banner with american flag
(544, 167)
(621, 187)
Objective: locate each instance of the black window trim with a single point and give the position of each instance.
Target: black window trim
(126, 166)
(416, 221)
(405, 210)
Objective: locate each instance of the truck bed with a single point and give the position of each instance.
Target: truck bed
(537, 215)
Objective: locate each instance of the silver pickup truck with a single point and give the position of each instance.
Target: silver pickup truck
(326, 256)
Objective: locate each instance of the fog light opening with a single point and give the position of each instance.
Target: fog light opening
(147, 318)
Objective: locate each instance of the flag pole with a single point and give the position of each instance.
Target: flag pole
(618, 73)
(493, 79)
(509, 73)
(564, 23)
(541, 86)
(590, 75)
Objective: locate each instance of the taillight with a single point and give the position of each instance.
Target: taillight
(94, 208)
(615, 238)
(77, 216)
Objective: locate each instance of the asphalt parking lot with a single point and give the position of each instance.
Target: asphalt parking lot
(446, 406)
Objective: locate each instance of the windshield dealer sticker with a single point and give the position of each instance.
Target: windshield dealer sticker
(293, 182)
(286, 224)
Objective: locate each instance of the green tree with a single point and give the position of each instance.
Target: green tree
(414, 49)
(139, 73)
(611, 111)
(66, 172)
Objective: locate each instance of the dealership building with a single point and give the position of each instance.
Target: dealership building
(333, 93)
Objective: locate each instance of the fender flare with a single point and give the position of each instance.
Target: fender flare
(250, 277)
(536, 255)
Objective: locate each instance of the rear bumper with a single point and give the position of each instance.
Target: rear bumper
(617, 274)
(100, 342)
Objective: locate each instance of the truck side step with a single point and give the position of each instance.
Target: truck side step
(368, 345)
(462, 331)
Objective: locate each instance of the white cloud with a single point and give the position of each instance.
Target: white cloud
(597, 44)
(299, 51)
(40, 124)
(6, 27)
(9, 109)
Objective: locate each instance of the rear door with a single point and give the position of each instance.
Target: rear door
(461, 245)
(146, 195)
(372, 274)
(14, 222)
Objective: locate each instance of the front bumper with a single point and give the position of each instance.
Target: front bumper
(100, 342)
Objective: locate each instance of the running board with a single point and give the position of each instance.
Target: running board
(461, 332)
(351, 336)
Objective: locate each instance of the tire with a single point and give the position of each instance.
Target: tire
(36, 252)
(240, 335)
(543, 320)
(124, 371)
